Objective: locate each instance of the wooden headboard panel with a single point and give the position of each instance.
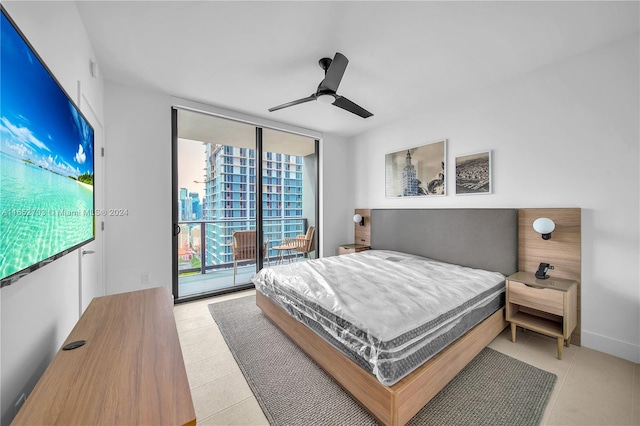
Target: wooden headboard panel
(363, 233)
(478, 238)
(562, 250)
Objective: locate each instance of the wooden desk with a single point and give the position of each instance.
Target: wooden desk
(130, 371)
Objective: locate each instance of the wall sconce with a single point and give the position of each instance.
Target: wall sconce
(358, 219)
(544, 226)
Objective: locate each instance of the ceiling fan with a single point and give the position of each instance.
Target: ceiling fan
(326, 92)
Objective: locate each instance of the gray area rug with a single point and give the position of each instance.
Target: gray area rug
(494, 389)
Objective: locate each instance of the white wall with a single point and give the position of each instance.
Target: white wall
(39, 311)
(337, 202)
(566, 135)
(138, 179)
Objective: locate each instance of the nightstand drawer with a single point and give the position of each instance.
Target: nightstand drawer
(352, 248)
(542, 299)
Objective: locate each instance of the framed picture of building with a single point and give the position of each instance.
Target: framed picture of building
(417, 171)
(473, 173)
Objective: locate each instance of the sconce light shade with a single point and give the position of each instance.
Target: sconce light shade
(544, 226)
(358, 219)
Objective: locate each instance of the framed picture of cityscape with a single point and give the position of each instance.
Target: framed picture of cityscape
(417, 171)
(473, 173)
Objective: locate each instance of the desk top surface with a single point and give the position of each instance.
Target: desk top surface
(130, 371)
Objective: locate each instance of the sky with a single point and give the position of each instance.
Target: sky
(191, 165)
(38, 122)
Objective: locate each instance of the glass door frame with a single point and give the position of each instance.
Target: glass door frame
(259, 210)
(259, 229)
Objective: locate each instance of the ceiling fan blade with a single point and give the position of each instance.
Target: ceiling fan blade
(334, 74)
(346, 104)
(292, 103)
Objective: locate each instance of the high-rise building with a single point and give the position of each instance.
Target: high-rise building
(196, 209)
(410, 182)
(182, 200)
(230, 197)
(189, 206)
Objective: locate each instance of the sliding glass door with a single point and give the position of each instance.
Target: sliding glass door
(222, 233)
(289, 196)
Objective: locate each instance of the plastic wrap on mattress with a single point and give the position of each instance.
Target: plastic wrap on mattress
(388, 311)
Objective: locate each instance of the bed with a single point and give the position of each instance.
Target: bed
(382, 363)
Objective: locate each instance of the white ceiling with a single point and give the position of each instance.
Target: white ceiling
(206, 128)
(404, 56)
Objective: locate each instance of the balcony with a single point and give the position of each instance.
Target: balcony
(205, 261)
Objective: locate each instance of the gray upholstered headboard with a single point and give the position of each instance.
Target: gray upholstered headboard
(478, 238)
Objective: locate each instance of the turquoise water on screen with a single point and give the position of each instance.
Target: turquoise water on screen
(41, 214)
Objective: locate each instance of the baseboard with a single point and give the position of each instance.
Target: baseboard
(624, 350)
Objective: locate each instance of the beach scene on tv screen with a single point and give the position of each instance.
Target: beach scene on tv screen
(46, 162)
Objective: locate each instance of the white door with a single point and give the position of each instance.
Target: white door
(91, 256)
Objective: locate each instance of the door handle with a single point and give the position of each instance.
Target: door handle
(176, 229)
(87, 252)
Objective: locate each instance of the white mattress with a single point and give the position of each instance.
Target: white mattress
(383, 306)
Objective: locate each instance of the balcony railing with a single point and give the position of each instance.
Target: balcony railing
(205, 245)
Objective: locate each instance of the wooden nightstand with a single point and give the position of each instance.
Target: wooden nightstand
(547, 306)
(352, 248)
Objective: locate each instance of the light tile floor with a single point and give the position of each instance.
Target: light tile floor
(592, 388)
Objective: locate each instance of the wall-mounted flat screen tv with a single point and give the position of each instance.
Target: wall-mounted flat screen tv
(46, 162)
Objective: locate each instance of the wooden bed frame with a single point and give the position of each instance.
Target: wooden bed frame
(397, 404)
(443, 229)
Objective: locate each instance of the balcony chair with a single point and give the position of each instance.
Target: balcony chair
(244, 248)
(301, 244)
